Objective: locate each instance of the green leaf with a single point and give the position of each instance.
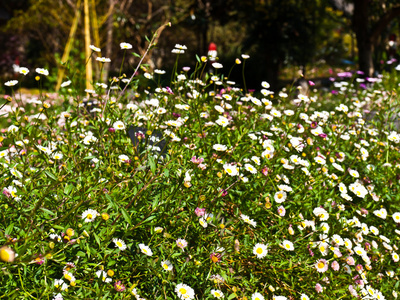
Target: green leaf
(166, 173)
(126, 216)
(52, 176)
(9, 229)
(47, 211)
(231, 296)
(152, 164)
(97, 239)
(81, 254)
(68, 188)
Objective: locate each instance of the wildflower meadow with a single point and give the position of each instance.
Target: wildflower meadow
(201, 189)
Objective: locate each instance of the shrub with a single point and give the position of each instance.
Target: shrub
(217, 192)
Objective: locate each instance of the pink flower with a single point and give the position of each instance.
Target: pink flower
(215, 257)
(119, 286)
(6, 193)
(264, 171)
(181, 243)
(350, 261)
(353, 291)
(359, 268)
(281, 211)
(200, 211)
(335, 266)
(318, 288)
(197, 160)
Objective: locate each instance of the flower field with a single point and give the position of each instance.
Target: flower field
(200, 190)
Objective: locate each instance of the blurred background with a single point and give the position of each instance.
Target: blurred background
(284, 38)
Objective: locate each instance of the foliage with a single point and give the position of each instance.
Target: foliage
(221, 190)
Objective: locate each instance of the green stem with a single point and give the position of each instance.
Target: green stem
(244, 78)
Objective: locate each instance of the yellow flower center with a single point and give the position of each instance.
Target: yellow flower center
(321, 265)
(182, 291)
(280, 196)
(259, 251)
(89, 216)
(119, 244)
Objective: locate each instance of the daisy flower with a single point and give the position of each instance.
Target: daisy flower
(217, 294)
(231, 169)
(119, 125)
(396, 217)
(89, 215)
(42, 71)
(125, 46)
(119, 243)
(257, 296)
(250, 168)
(103, 59)
(103, 275)
(203, 222)
(222, 121)
(288, 245)
(260, 250)
(94, 48)
(321, 265)
(280, 196)
(219, 147)
(184, 291)
(11, 83)
(304, 297)
(354, 173)
(7, 254)
(166, 265)
(247, 220)
(65, 83)
(145, 249)
(395, 257)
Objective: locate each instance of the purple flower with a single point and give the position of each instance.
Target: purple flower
(176, 115)
(223, 192)
(169, 91)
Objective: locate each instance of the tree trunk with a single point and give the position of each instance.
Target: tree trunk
(363, 36)
(109, 39)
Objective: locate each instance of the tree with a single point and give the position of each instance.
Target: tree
(370, 18)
